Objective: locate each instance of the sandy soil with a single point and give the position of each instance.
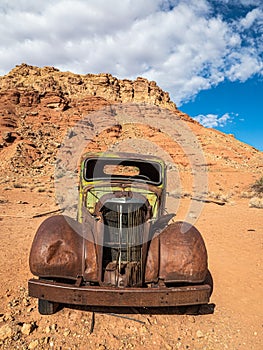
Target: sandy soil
(233, 320)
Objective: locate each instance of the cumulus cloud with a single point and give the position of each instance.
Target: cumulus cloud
(213, 120)
(251, 17)
(181, 44)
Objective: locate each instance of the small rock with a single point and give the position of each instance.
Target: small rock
(192, 319)
(25, 302)
(34, 113)
(8, 137)
(8, 293)
(30, 309)
(3, 200)
(102, 347)
(48, 329)
(8, 317)
(13, 303)
(199, 334)
(16, 333)
(33, 344)
(45, 340)
(5, 332)
(27, 328)
(66, 332)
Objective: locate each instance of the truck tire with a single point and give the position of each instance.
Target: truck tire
(46, 307)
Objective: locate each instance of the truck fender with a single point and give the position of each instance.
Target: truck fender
(177, 254)
(57, 248)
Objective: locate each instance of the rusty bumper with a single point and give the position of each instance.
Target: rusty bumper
(126, 297)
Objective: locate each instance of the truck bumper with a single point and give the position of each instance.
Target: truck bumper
(119, 297)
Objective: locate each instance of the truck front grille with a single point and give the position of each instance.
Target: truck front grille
(123, 236)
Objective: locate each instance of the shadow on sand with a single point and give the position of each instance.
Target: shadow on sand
(127, 312)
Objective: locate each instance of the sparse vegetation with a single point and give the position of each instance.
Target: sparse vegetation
(220, 196)
(256, 202)
(258, 186)
(246, 194)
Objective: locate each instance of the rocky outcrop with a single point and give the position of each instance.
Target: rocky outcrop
(37, 105)
(59, 88)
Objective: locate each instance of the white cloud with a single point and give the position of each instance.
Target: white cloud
(213, 120)
(243, 66)
(178, 43)
(251, 17)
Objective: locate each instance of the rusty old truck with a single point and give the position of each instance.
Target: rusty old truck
(122, 249)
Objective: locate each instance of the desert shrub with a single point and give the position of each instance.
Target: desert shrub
(223, 197)
(256, 202)
(246, 194)
(258, 186)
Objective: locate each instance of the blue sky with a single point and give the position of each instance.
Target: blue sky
(208, 54)
(233, 108)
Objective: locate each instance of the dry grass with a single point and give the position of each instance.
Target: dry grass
(256, 202)
(247, 194)
(258, 186)
(223, 197)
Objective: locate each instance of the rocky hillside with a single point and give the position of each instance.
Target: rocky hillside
(38, 105)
